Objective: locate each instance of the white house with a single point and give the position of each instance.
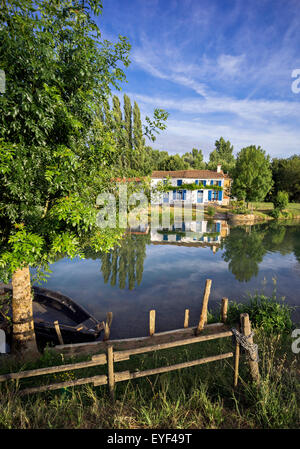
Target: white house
(211, 186)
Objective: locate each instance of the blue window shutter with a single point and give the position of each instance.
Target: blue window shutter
(209, 195)
(218, 227)
(174, 194)
(179, 182)
(220, 195)
(211, 182)
(204, 182)
(197, 182)
(220, 183)
(183, 226)
(184, 195)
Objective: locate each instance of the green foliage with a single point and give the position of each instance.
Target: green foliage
(54, 152)
(239, 207)
(129, 135)
(252, 176)
(194, 159)
(275, 213)
(223, 154)
(160, 116)
(281, 200)
(269, 313)
(286, 177)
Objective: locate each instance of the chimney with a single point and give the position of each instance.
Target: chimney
(219, 168)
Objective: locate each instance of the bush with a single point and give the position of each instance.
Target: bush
(275, 213)
(269, 313)
(281, 200)
(239, 207)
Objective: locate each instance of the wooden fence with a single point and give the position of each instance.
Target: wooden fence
(114, 351)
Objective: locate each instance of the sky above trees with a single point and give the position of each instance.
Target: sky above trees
(220, 68)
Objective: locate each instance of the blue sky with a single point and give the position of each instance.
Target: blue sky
(219, 67)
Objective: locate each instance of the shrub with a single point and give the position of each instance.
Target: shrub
(275, 213)
(281, 200)
(269, 313)
(239, 207)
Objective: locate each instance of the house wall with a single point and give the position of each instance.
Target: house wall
(191, 195)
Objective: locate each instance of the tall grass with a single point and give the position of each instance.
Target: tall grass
(196, 397)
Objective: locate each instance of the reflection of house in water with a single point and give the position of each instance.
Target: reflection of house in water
(192, 233)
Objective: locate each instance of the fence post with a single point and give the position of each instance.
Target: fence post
(203, 316)
(246, 330)
(111, 374)
(152, 322)
(186, 318)
(236, 363)
(224, 309)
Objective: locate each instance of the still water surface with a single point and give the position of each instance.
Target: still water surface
(166, 269)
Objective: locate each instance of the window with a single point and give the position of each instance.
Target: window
(179, 195)
(179, 182)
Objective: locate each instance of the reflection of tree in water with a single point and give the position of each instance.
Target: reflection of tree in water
(125, 262)
(244, 251)
(275, 238)
(283, 237)
(297, 243)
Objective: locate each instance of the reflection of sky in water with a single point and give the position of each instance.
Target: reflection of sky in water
(173, 280)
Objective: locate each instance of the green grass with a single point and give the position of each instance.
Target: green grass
(196, 397)
(293, 209)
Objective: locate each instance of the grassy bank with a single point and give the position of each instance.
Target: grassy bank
(264, 209)
(198, 397)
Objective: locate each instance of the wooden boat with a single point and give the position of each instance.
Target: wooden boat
(75, 323)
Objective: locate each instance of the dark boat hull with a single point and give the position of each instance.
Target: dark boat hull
(75, 323)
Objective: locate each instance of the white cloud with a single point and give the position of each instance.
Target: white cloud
(230, 65)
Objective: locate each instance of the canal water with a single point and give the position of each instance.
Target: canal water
(165, 269)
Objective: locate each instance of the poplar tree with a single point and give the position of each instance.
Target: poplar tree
(128, 122)
(138, 140)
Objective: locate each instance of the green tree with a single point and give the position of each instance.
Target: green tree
(194, 159)
(222, 154)
(138, 139)
(58, 71)
(286, 177)
(128, 123)
(281, 200)
(252, 176)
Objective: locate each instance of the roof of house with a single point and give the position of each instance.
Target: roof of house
(199, 174)
(127, 179)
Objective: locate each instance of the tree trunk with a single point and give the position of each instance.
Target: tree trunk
(23, 341)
